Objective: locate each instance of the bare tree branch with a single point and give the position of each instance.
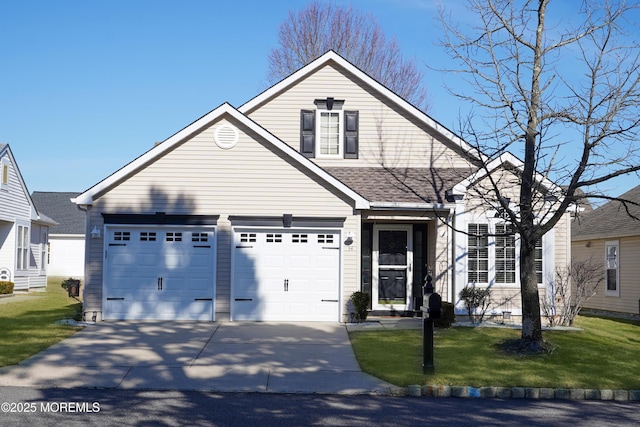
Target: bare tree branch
(561, 94)
(308, 33)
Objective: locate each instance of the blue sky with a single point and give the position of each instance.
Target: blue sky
(87, 86)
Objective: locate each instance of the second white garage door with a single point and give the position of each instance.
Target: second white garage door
(286, 275)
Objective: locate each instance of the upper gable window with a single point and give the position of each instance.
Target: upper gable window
(329, 136)
(329, 131)
(4, 174)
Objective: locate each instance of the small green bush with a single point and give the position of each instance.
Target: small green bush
(6, 287)
(360, 302)
(476, 299)
(447, 317)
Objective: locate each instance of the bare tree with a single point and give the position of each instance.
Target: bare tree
(560, 91)
(307, 34)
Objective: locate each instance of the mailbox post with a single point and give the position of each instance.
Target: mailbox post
(431, 310)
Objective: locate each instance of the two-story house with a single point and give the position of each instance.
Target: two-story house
(325, 184)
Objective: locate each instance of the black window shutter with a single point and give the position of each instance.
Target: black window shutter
(308, 133)
(350, 134)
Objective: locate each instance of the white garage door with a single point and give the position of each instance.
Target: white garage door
(286, 275)
(159, 273)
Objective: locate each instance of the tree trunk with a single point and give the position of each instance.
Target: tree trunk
(531, 320)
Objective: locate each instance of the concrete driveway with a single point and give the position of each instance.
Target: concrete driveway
(249, 357)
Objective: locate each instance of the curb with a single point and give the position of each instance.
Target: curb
(532, 393)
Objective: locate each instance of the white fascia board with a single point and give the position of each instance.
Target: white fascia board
(504, 158)
(411, 206)
(86, 198)
(333, 56)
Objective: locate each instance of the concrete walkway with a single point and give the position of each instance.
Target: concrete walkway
(250, 357)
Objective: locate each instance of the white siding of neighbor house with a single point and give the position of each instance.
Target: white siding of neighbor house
(628, 300)
(407, 143)
(16, 209)
(66, 256)
(14, 203)
(199, 178)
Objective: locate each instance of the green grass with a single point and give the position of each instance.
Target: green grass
(603, 355)
(28, 327)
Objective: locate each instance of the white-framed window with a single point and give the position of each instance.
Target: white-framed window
(612, 267)
(44, 244)
(505, 253)
(493, 254)
(539, 249)
(329, 133)
(23, 247)
(478, 253)
(4, 174)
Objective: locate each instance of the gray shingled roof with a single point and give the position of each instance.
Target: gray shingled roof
(403, 185)
(610, 219)
(57, 205)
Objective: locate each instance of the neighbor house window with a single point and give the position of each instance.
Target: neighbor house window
(505, 254)
(4, 170)
(23, 247)
(43, 252)
(612, 265)
(478, 249)
(329, 133)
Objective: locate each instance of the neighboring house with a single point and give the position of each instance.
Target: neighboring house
(325, 184)
(65, 254)
(609, 236)
(23, 231)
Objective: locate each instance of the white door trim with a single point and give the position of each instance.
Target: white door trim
(376, 267)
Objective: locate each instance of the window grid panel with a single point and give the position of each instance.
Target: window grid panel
(505, 254)
(325, 238)
(478, 253)
(147, 236)
(199, 237)
(300, 238)
(247, 237)
(538, 260)
(173, 237)
(274, 238)
(122, 235)
(329, 133)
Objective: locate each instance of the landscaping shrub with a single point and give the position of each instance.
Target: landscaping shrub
(476, 300)
(447, 317)
(6, 287)
(360, 302)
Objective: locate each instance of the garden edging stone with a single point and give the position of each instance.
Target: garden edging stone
(543, 393)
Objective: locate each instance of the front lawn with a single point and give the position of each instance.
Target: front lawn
(603, 355)
(28, 327)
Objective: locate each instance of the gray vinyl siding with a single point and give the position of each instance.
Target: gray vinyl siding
(199, 178)
(406, 142)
